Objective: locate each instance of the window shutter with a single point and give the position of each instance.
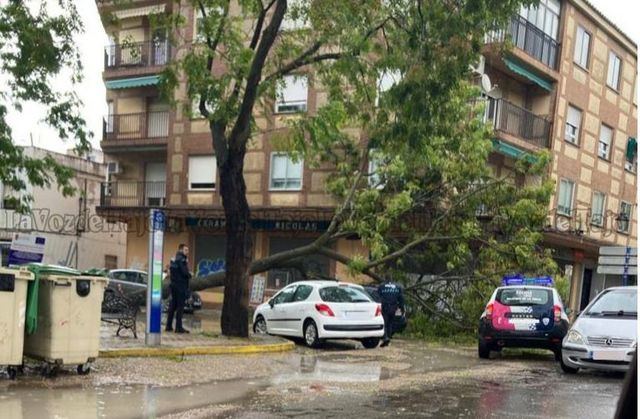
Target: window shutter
(202, 172)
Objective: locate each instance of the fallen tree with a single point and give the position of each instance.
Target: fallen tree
(415, 175)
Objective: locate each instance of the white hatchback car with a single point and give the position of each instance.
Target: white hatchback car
(319, 310)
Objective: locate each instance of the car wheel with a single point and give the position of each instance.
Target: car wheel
(566, 368)
(260, 326)
(370, 343)
(311, 334)
(483, 349)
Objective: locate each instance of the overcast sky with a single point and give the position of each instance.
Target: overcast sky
(26, 125)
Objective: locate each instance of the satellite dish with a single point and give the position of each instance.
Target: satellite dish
(485, 82)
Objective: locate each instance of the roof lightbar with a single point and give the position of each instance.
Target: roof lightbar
(519, 279)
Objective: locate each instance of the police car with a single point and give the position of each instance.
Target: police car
(524, 313)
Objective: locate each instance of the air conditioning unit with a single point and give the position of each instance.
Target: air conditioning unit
(113, 168)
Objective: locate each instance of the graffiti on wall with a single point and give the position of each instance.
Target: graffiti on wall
(210, 266)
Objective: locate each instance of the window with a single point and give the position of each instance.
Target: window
(375, 180)
(630, 155)
(619, 302)
(343, 294)
(624, 217)
(545, 15)
(111, 51)
(597, 208)
(202, 172)
(386, 81)
(524, 297)
(572, 127)
(565, 197)
(285, 173)
(581, 52)
(285, 296)
(613, 74)
(110, 116)
(291, 94)
(302, 293)
(604, 145)
(110, 262)
(194, 109)
(295, 17)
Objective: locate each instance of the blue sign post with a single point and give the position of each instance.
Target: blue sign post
(154, 286)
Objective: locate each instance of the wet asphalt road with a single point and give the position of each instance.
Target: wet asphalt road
(407, 379)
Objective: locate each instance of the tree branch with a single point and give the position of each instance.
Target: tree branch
(240, 132)
(307, 56)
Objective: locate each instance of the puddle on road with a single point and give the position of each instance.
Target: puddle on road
(302, 368)
(120, 401)
(488, 401)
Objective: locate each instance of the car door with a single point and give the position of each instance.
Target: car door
(277, 315)
(296, 310)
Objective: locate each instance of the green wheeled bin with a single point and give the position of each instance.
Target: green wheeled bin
(68, 319)
(13, 305)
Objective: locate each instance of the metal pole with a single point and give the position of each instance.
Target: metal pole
(154, 281)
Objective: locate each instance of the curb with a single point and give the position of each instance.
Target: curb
(196, 350)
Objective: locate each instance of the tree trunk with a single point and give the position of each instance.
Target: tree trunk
(235, 309)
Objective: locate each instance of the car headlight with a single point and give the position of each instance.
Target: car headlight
(575, 338)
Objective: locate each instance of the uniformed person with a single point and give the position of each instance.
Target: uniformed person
(392, 300)
(180, 276)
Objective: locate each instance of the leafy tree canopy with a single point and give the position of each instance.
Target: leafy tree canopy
(36, 46)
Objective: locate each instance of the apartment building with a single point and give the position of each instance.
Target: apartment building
(75, 235)
(569, 85)
(164, 158)
(566, 86)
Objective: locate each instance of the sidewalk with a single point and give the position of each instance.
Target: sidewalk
(204, 339)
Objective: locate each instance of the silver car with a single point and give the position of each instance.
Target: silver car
(604, 336)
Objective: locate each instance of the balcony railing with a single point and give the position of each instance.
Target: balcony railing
(530, 39)
(137, 54)
(519, 122)
(134, 126)
(132, 194)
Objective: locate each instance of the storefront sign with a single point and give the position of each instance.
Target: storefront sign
(266, 225)
(154, 288)
(26, 248)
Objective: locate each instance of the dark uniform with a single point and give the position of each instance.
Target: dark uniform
(180, 276)
(392, 299)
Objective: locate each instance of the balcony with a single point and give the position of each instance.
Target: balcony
(136, 57)
(132, 194)
(527, 37)
(518, 122)
(135, 130)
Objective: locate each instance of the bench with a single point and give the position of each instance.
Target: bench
(121, 310)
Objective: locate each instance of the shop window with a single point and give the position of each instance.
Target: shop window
(315, 265)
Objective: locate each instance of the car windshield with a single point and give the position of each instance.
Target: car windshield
(343, 294)
(523, 296)
(619, 302)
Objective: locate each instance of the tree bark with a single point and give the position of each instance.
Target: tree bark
(235, 309)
